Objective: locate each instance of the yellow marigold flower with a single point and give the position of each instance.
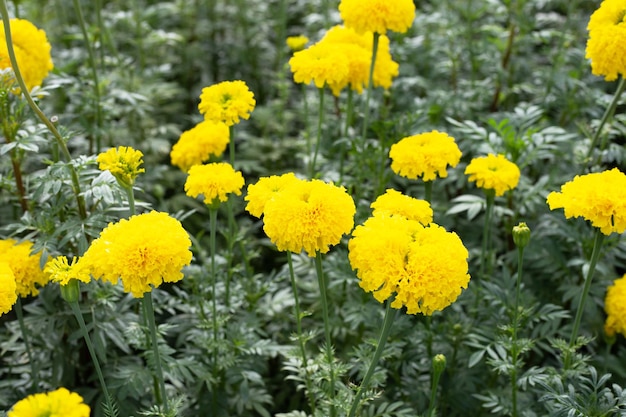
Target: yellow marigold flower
(297, 43)
(265, 189)
(123, 162)
(143, 251)
(322, 63)
(394, 203)
(615, 307)
(214, 181)
(25, 266)
(8, 296)
(197, 144)
(227, 102)
(61, 271)
(378, 15)
(606, 46)
(358, 50)
(493, 172)
(425, 155)
(59, 403)
(32, 51)
(424, 266)
(310, 216)
(599, 197)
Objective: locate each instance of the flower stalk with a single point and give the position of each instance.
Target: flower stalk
(329, 347)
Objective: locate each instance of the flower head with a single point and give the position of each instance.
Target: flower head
(62, 271)
(308, 215)
(322, 63)
(424, 266)
(227, 102)
(394, 203)
(615, 307)
(599, 197)
(265, 189)
(25, 266)
(8, 296)
(32, 51)
(425, 155)
(197, 144)
(378, 15)
(143, 251)
(297, 43)
(59, 403)
(123, 162)
(214, 181)
(493, 172)
(606, 46)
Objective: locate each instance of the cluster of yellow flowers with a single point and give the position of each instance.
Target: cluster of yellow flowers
(615, 307)
(58, 403)
(25, 266)
(493, 172)
(398, 252)
(606, 46)
(227, 102)
(196, 145)
(123, 162)
(214, 181)
(297, 43)
(8, 296)
(32, 51)
(301, 215)
(378, 15)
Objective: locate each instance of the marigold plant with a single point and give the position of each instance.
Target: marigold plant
(265, 189)
(59, 403)
(615, 307)
(197, 144)
(8, 296)
(395, 203)
(214, 181)
(425, 155)
(123, 162)
(297, 43)
(322, 63)
(32, 51)
(493, 172)
(25, 266)
(599, 197)
(378, 15)
(143, 251)
(310, 216)
(424, 267)
(227, 102)
(62, 271)
(606, 46)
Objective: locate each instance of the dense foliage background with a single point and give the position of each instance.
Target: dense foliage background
(500, 76)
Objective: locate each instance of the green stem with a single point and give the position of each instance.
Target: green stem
(595, 255)
(131, 200)
(428, 191)
(160, 394)
(380, 347)
(20, 318)
(20, 80)
(608, 114)
(94, 72)
(320, 121)
(212, 231)
(298, 315)
(485, 264)
(92, 352)
(231, 146)
(432, 405)
(329, 347)
(514, 348)
(370, 87)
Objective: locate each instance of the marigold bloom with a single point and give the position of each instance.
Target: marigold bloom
(214, 181)
(61, 271)
(358, 50)
(425, 155)
(378, 15)
(394, 203)
(606, 46)
(297, 43)
(8, 296)
(265, 189)
(493, 172)
(123, 162)
(197, 144)
(599, 197)
(59, 403)
(308, 215)
(322, 63)
(424, 266)
(32, 51)
(615, 307)
(143, 252)
(227, 102)
(25, 266)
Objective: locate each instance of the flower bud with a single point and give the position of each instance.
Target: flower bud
(521, 235)
(70, 291)
(439, 363)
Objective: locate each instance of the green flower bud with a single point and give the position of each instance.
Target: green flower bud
(521, 235)
(70, 291)
(439, 363)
